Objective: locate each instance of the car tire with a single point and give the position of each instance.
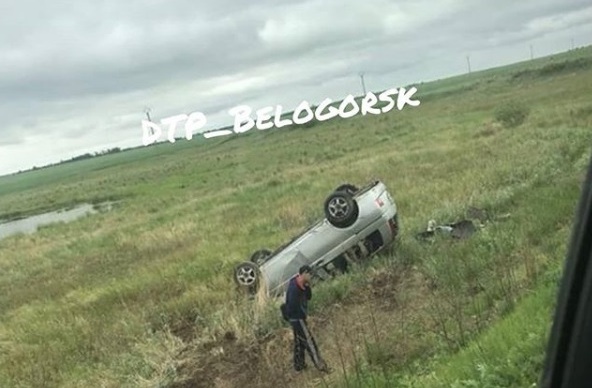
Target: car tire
(341, 209)
(259, 257)
(246, 275)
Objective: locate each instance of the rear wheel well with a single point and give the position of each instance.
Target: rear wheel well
(352, 189)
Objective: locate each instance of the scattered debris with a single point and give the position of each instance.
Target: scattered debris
(463, 229)
(459, 230)
(428, 233)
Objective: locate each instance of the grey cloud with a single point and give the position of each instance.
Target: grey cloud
(506, 21)
(133, 48)
(126, 56)
(146, 64)
(12, 137)
(80, 69)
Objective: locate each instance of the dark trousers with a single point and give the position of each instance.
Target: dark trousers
(304, 341)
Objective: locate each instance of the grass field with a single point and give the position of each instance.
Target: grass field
(143, 295)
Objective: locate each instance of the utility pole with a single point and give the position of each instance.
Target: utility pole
(531, 55)
(147, 110)
(363, 84)
(469, 63)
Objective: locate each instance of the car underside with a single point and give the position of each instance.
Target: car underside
(358, 223)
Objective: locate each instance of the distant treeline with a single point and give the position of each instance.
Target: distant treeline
(89, 155)
(77, 158)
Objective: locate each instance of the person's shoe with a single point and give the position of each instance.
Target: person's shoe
(324, 368)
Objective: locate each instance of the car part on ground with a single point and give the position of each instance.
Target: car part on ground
(462, 229)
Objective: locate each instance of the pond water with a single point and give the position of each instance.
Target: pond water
(31, 224)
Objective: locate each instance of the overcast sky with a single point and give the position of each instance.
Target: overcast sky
(76, 76)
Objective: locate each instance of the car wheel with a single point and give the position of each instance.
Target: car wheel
(260, 256)
(341, 209)
(246, 274)
(347, 187)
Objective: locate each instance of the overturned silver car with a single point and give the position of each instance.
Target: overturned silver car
(358, 223)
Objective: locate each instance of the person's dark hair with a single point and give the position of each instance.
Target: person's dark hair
(305, 269)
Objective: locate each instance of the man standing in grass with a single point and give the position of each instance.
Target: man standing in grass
(297, 296)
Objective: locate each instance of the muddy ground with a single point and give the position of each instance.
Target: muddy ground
(370, 314)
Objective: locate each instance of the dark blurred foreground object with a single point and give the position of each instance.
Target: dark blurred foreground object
(568, 358)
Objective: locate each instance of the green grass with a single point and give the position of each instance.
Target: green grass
(496, 338)
(509, 353)
(91, 303)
